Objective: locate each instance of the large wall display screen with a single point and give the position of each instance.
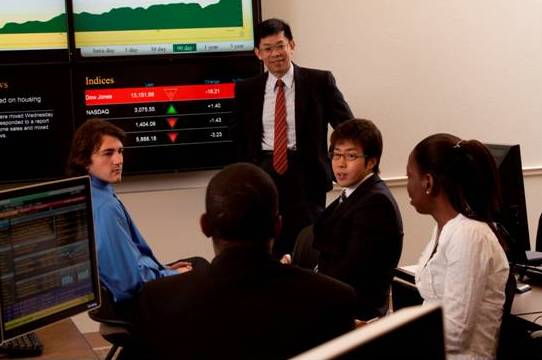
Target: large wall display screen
(35, 122)
(33, 30)
(176, 115)
(154, 27)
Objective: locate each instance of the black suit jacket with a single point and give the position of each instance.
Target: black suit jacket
(318, 102)
(360, 243)
(246, 305)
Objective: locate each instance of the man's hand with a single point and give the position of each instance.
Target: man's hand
(359, 323)
(181, 266)
(286, 259)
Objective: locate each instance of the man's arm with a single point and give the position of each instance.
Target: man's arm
(373, 249)
(337, 109)
(145, 328)
(123, 266)
(371, 240)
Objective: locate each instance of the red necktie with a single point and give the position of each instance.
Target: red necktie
(280, 146)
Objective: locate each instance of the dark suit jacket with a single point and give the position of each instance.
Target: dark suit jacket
(246, 305)
(318, 102)
(360, 243)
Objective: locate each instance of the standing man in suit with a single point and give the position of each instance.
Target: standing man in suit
(246, 305)
(360, 235)
(282, 118)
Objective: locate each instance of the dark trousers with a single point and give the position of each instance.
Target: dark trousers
(298, 204)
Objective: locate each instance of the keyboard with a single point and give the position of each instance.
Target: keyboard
(26, 345)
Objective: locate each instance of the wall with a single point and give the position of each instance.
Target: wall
(414, 67)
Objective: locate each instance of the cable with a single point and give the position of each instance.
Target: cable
(530, 313)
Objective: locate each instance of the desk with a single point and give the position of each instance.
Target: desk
(527, 306)
(63, 341)
(515, 339)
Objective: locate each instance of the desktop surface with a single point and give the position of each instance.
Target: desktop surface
(62, 341)
(526, 306)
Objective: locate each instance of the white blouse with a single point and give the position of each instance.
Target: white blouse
(467, 274)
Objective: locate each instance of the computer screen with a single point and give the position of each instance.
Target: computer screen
(33, 31)
(411, 333)
(160, 27)
(513, 212)
(48, 265)
(162, 70)
(36, 122)
(176, 114)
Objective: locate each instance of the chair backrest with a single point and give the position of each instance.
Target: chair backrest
(508, 332)
(304, 255)
(112, 314)
(539, 235)
(404, 294)
(115, 326)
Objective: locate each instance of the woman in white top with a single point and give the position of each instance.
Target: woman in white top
(464, 266)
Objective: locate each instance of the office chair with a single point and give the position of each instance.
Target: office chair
(114, 326)
(304, 255)
(509, 335)
(404, 293)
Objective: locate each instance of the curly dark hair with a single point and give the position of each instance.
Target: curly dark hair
(87, 140)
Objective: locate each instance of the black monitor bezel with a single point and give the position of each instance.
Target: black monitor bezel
(40, 56)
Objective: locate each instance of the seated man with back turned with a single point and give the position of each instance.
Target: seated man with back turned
(246, 305)
(360, 235)
(125, 259)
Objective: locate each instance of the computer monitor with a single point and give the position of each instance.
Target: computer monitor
(48, 265)
(411, 333)
(513, 212)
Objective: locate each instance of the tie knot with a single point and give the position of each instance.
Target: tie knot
(342, 197)
(279, 84)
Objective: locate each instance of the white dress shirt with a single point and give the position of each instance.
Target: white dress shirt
(350, 189)
(268, 115)
(467, 274)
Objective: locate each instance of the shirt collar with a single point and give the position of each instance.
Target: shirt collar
(350, 189)
(100, 184)
(288, 78)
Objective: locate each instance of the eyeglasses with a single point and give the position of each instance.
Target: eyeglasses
(349, 156)
(269, 49)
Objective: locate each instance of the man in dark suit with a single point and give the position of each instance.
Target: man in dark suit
(246, 305)
(360, 235)
(310, 101)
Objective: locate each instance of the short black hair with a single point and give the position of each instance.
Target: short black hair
(270, 27)
(242, 204)
(362, 132)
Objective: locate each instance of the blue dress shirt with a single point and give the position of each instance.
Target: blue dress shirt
(125, 259)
